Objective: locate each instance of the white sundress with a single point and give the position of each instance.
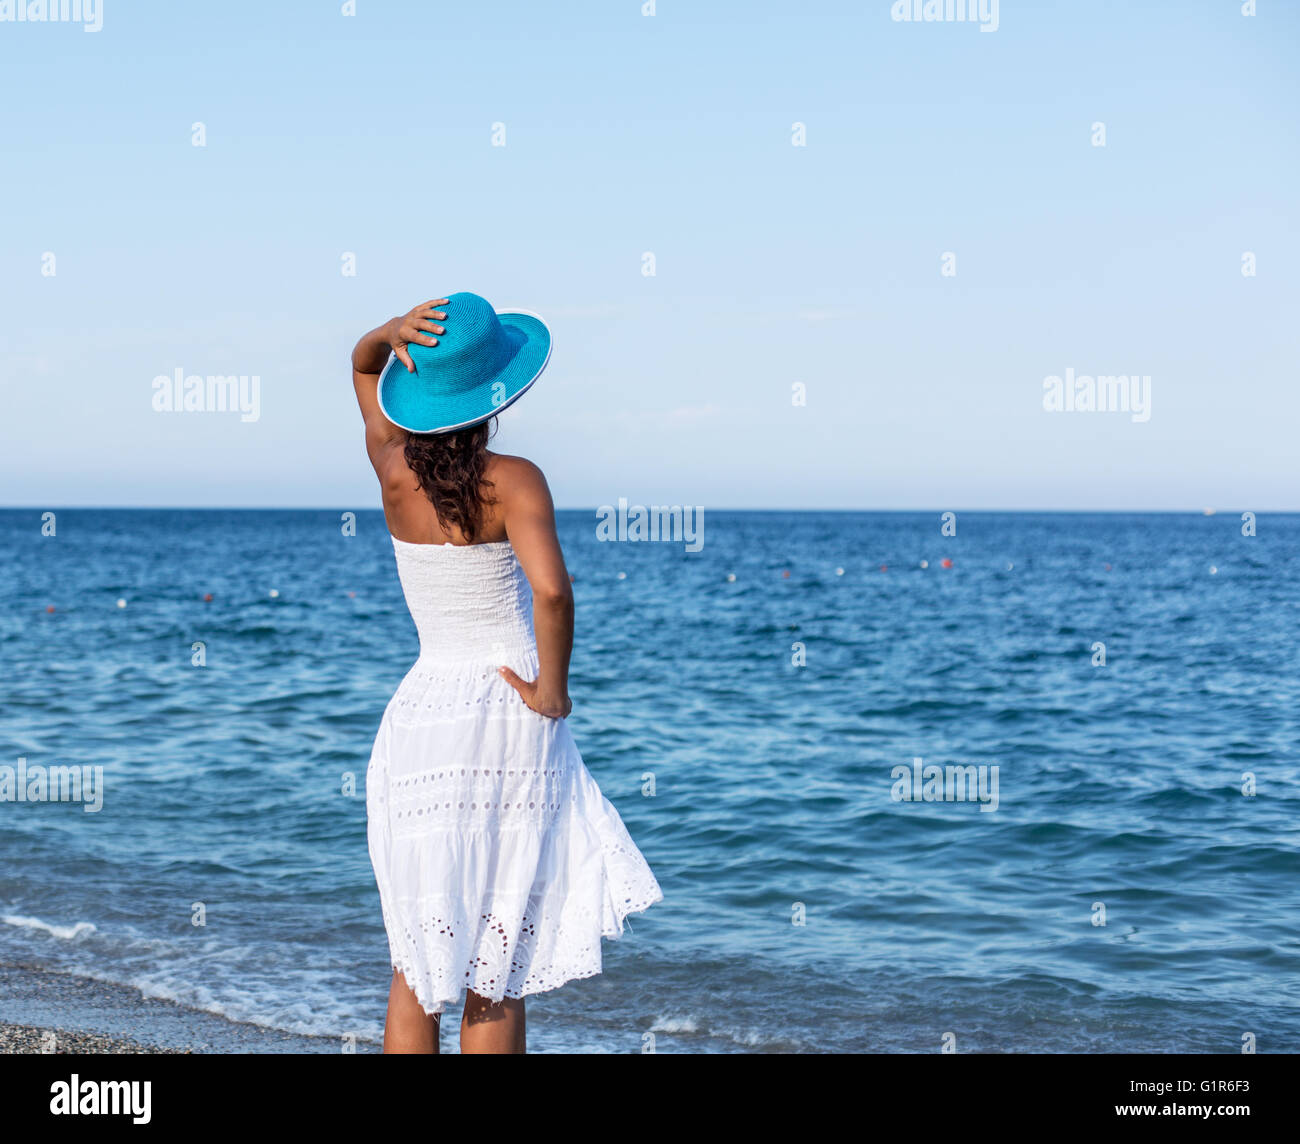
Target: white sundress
(500, 864)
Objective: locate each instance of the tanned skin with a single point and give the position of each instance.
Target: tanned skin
(524, 514)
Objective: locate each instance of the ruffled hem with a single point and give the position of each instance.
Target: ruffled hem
(434, 993)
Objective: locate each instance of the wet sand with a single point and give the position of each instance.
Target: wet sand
(47, 1012)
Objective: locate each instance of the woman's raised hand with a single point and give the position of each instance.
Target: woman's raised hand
(416, 327)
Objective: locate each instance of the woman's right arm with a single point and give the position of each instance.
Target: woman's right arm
(371, 355)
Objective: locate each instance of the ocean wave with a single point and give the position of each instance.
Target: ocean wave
(63, 933)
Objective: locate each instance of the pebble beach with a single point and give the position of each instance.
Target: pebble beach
(30, 1039)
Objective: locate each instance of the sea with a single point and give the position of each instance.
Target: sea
(910, 782)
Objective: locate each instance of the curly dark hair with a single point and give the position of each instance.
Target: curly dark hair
(450, 468)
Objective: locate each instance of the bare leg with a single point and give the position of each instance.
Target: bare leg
(488, 1028)
(408, 1029)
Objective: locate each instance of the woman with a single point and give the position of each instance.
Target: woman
(500, 864)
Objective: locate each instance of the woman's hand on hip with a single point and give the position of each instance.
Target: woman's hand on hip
(552, 704)
(416, 327)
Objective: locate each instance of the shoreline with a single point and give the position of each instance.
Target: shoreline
(49, 1011)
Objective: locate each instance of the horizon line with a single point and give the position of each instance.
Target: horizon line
(596, 508)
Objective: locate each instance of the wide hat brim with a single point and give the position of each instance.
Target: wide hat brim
(416, 404)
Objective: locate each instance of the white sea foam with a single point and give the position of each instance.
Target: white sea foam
(675, 1025)
(65, 933)
(263, 1007)
(749, 1038)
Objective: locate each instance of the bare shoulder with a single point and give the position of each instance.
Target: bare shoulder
(527, 514)
(517, 480)
(395, 476)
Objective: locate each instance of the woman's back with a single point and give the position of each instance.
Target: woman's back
(471, 603)
(410, 513)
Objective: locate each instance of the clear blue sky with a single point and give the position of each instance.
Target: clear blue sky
(672, 134)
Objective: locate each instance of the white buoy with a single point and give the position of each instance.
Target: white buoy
(121, 603)
(731, 577)
(274, 593)
(622, 575)
(1213, 570)
(1009, 565)
(925, 564)
(839, 571)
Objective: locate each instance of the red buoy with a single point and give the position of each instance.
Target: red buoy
(207, 599)
(946, 562)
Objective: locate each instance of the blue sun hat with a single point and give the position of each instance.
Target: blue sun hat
(485, 361)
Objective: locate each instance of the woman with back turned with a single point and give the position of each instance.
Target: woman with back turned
(500, 864)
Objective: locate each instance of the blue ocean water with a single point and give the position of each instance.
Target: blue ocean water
(807, 909)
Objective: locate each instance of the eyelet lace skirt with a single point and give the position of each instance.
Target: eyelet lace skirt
(500, 864)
